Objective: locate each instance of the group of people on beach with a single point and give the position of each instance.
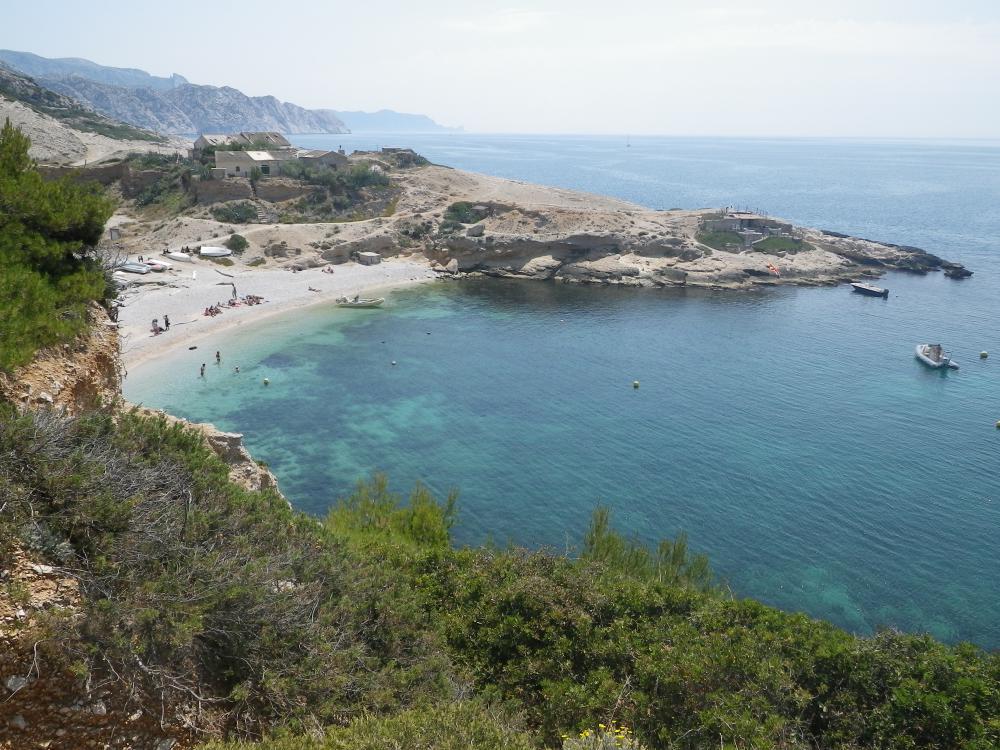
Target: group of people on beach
(251, 299)
(157, 329)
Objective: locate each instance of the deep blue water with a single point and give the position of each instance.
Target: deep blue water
(789, 431)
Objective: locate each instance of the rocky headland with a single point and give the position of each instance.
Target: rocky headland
(473, 224)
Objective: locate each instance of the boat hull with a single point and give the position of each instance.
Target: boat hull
(871, 291)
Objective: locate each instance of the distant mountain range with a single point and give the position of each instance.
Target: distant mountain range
(174, 105)
(387, 121)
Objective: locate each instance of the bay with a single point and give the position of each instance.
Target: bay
(789, 431)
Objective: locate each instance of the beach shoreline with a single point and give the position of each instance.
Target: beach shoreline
(184, 298)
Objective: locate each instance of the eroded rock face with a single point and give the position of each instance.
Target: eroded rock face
(77, 377)
(228, 446)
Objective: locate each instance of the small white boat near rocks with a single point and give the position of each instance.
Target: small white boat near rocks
(934, 356)
(178, 255)
(208, 251)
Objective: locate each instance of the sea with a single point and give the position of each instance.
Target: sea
(788, 431)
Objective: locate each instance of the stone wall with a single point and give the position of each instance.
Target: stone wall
(105, 174)
(219, 191)
(134, 181)
(276, 189)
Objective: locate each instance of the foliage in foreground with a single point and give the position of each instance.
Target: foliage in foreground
(48, 273)
(373, 626)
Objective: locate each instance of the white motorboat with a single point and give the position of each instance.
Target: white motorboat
(208, 251)
(178, 255)
(360, 301)
(134, 268)
(934, 356)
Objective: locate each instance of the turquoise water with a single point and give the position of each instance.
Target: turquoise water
(790, 432)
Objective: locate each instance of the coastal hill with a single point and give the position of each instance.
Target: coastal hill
(66, 67)
(64, 131)
(190, 108)
(174, 105)
(169, 105)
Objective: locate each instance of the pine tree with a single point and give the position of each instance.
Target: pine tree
(47, 271)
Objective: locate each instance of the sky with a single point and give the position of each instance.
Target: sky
(848, 68)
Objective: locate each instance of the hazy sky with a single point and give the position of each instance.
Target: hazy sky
(775, 67)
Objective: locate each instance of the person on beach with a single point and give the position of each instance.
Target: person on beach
(166, 321)
(203, 369)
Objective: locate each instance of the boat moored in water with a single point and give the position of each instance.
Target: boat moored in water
(934, 356)
(360, 301)
(870, 289)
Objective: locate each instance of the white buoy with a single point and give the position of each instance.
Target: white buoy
(635, 383)
(983, 355)
(394, 363)
(267, 381)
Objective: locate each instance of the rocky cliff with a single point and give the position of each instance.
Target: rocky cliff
(189, 108)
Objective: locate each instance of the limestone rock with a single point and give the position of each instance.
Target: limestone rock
(476, 230)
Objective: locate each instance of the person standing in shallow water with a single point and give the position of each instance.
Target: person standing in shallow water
(202, 369)
(218, 358)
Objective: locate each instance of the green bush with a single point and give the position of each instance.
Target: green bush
(775, 244)
(237, 243)
(48, 272)
(240, 212)
(463, 212)
(372, 625)
(725, 241)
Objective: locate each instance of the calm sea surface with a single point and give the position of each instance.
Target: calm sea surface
(789, 431)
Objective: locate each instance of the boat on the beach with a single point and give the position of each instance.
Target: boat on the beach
(870, 289)
(178, 255)
(934, 356)
(134, 268)
(360, 301)
(208, 251)
(155, 265)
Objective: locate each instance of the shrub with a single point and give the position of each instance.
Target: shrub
(237, 243)
(239, 212)
(464, 212)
